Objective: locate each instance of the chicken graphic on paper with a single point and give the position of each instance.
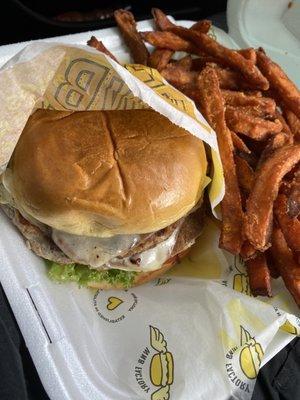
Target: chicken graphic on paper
(161, 366)
(240, 280)
(251, 355)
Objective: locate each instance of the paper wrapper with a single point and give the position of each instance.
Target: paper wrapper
(197, 332)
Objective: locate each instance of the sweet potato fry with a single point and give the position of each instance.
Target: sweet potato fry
(186, 83)
(249, 54)
(258, 110)
(271, 264)
(239, 144)
(274, 142)
(251, 158)
(259, 276)
(179, 76)
(248, 251)
(255, 127)
(259, 213)
(160, 58)
(168, 40)
(285, 263)
(293, 123)
(285, 126)
(279, 82)
(201, 62)
(185, 62)
(127, 25)
(293, 204)
(240, 99)
(98, 45)
(191, 90)
(231, 57)
(213, 109)
(256, 93)
(203, 26)
(229, 79)
(163, 23)
(290, 227)
(245, 174)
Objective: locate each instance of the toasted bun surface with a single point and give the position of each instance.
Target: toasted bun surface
(102, 173)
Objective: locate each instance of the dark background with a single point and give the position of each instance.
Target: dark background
(33, 19)
(36, 19)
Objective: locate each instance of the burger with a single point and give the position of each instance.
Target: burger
(111, 199)
(162, 369)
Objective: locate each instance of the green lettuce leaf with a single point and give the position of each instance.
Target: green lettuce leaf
(82, 274)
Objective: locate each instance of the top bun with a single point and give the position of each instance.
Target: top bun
(102, 173)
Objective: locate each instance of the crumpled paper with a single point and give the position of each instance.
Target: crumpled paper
(195, 333)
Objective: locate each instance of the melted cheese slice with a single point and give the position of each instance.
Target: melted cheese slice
(102, 253)
(93, 251)
(148, 260)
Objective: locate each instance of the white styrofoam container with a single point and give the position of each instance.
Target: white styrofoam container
(54, 319)
(273, 25)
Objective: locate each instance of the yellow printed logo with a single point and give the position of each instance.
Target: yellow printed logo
(243, 362)
(154, 371)
(152, 78)
(161, 366)
(85, 81)
(251, 355)
(244, 352)
(288, 327)
(113, 303)
(162, 281)
(240, 281)
(115, 307)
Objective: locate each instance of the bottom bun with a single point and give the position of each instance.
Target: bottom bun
(142, 277)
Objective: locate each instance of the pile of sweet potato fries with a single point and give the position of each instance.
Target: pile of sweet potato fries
(255, 110)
